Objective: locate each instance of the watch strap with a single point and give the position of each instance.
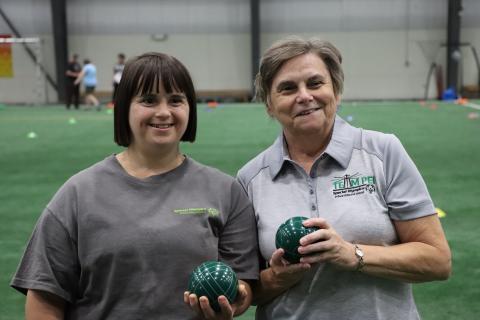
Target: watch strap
(359, 255)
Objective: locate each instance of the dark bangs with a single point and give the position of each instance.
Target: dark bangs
(154, 72)
(144, 74)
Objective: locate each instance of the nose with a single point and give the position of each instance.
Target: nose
(162, 110)
(303, 95)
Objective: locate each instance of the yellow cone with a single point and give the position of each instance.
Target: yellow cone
(440, 213)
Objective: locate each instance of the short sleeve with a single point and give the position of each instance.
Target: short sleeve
(241, 180)
(406, 194)
(238, 245)
(50, 261)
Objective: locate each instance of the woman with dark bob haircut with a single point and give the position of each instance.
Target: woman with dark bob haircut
(120, 239)
(141, 77)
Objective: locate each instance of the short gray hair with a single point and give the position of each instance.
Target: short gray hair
(291, 47)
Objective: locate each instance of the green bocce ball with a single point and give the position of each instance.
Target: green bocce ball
(213, 279)
(288, 237)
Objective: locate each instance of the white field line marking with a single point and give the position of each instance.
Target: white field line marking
(472, 105)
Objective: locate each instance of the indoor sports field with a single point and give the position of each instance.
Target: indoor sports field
(42, 146)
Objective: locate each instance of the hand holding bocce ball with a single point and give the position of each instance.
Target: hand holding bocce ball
(213, 279)
(288, 237)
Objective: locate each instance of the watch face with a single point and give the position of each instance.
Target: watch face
(359, 252)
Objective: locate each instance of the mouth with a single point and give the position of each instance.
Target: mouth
(160, 125)
(307, 111)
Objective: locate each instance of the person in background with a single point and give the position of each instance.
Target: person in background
(72, 90)
(117, 73)
(378, 229)
(120, 239)
(89, 77)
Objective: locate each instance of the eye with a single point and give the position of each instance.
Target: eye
(286, 87)
(148, 99)
(315, 83)
(176, 99)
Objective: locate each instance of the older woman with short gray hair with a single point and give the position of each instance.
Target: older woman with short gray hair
(377, 226)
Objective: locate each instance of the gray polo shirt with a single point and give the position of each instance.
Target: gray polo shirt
(363, 181)
(117, 247)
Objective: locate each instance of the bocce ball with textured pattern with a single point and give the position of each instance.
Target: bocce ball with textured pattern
(213, 279)
(288, 237)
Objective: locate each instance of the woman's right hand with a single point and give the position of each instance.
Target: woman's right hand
(283, 274)
(201, 305)
(278, 278)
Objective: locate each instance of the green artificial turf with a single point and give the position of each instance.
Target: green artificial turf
(442, 141)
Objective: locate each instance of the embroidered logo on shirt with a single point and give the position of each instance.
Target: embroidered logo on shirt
(212, 212)
(352, 185)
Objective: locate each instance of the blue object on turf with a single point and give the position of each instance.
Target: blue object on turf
(449, 94)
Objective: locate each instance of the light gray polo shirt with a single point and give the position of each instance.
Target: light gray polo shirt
(363, 181)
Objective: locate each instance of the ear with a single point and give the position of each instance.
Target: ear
(338, 99)
(269, 107)
(270, 112)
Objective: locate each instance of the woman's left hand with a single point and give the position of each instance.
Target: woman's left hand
(326, 245)
(202, 308)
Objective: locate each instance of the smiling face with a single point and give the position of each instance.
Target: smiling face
(165, 77)
(158, 119)
(302, 98)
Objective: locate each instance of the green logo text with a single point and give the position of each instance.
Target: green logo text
(210, 211)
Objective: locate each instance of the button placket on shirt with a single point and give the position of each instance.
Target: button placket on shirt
(312, 182)
(312, 196)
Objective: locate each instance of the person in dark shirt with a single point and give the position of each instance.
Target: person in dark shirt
(73, 90)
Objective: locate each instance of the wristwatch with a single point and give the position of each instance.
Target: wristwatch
(359, 254)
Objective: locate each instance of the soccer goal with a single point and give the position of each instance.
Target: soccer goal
(21, 78)
(430, 50)
(433, 49)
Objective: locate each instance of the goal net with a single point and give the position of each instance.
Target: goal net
(21, 77)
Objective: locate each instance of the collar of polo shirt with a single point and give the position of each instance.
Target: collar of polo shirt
(340, 147)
